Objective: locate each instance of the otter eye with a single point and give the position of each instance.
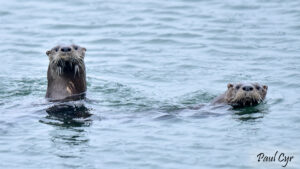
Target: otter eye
(257, 87)
(56, 49)
(237, 87)
(75, 47)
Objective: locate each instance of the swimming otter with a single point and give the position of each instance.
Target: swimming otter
(240, 95)
(66, 73)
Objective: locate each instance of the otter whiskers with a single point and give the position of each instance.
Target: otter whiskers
(76, 70)
(66, 73)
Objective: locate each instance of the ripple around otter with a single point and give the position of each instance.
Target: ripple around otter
(153, 67)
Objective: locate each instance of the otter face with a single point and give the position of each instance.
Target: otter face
(239, 95)
(66, 59)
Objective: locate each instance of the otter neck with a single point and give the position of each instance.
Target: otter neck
(65, 85)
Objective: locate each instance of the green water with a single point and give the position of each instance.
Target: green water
(149, 64)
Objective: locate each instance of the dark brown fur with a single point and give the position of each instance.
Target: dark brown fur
(66, 73)
(240, 95)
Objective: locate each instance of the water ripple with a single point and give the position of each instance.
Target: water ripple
(153, 68)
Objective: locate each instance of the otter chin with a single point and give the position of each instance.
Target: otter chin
(66, 73)
(242, 94)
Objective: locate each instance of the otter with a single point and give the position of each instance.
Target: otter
(242, 94)
(66, 73)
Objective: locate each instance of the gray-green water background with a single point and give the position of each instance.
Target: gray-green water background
(147, 62)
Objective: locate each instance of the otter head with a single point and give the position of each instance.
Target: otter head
(239, 95)
(66, 60)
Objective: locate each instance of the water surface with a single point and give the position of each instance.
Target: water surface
(148, 62)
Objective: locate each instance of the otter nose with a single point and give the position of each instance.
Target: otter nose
(65, 49)
(248, 88)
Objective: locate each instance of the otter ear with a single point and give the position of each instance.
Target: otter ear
(48, 52)
(83, 52)
(265, 87)
(229, 85)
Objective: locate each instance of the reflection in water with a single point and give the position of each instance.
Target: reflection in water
(68, 115)
(251, 113)
(69, 135)
(147, 60)
(243, 114)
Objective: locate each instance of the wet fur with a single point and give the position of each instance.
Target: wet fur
(240, 98)
(66, 74)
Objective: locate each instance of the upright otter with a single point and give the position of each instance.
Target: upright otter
(66, 73)
(240, 95)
